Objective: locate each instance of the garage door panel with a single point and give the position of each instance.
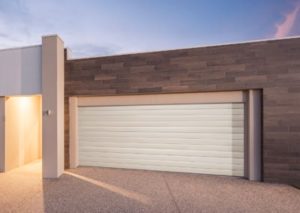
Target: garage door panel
(188, 164)
(164, 110)
(172, 151)
(206, 140)
(201, 138)
(190, 161)
(200, 157)
(140, 148)
(164, 113)
(189, 123)
(156, 142)
(223, 106)
(165, 135)
(161, 157)
(214, 130)
(109, 144)
(158, 118)
(231, 172)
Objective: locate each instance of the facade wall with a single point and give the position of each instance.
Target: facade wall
(273, 66)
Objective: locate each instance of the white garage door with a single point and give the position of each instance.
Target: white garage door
(197, 138)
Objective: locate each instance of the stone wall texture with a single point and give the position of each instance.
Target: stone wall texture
(273, 66)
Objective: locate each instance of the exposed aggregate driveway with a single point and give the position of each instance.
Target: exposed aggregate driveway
(88, 189)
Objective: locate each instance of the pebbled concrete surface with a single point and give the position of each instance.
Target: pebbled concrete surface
(88, 189)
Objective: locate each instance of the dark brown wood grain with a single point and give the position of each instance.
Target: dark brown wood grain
(273, 66)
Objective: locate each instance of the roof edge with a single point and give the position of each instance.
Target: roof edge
(193, 47)
(18, 48)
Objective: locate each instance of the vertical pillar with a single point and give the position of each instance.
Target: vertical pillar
(2, 134)
(53, 106)
(73, 110)
(255, 155)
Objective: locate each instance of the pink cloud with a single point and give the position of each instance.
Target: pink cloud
(284, 28)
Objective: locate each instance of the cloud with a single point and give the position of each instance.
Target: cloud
(14, 24)
(22, 23)
(283, 29)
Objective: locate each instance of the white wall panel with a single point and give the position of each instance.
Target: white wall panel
(21, 71)
(199, 138)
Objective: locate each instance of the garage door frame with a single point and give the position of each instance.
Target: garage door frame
(252, 127)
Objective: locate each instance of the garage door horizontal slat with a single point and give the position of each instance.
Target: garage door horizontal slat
(162, 157)
(170, 152)
(168, 140)
(191, 164)
(141, 143)
(161, 118)
(233, 172)
(108, 123)
(204, 147)
(163, 113)
(231, 106)
(225, 130)
(164, 135)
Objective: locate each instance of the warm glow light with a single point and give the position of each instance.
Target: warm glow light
(24, 101)
(22, 130)
(126, 193)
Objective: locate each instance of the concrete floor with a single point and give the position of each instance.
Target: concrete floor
(116, 190)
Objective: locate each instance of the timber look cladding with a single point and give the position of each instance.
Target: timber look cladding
(273, 66)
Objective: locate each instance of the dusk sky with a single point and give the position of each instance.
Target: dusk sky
(99, 27)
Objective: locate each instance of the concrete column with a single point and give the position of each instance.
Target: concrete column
(255, 155)
(2, 134)
(53, 106)
(73, 110)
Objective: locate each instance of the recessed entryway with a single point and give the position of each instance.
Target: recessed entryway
(27, 74)
(22, 130)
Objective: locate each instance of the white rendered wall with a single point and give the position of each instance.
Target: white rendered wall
(21, 71)
(53, 106)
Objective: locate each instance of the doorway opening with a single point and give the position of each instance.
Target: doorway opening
(23, 130)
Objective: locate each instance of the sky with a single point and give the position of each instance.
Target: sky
(109, 27)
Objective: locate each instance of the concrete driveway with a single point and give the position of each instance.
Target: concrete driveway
(116, 190)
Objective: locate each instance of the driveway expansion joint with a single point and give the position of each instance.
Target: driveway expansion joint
(171, 194)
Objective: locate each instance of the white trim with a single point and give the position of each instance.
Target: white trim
(20, 48)
(53, 106)
(254, 135)
(73, 110)
(2, 134)
(184, 98)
